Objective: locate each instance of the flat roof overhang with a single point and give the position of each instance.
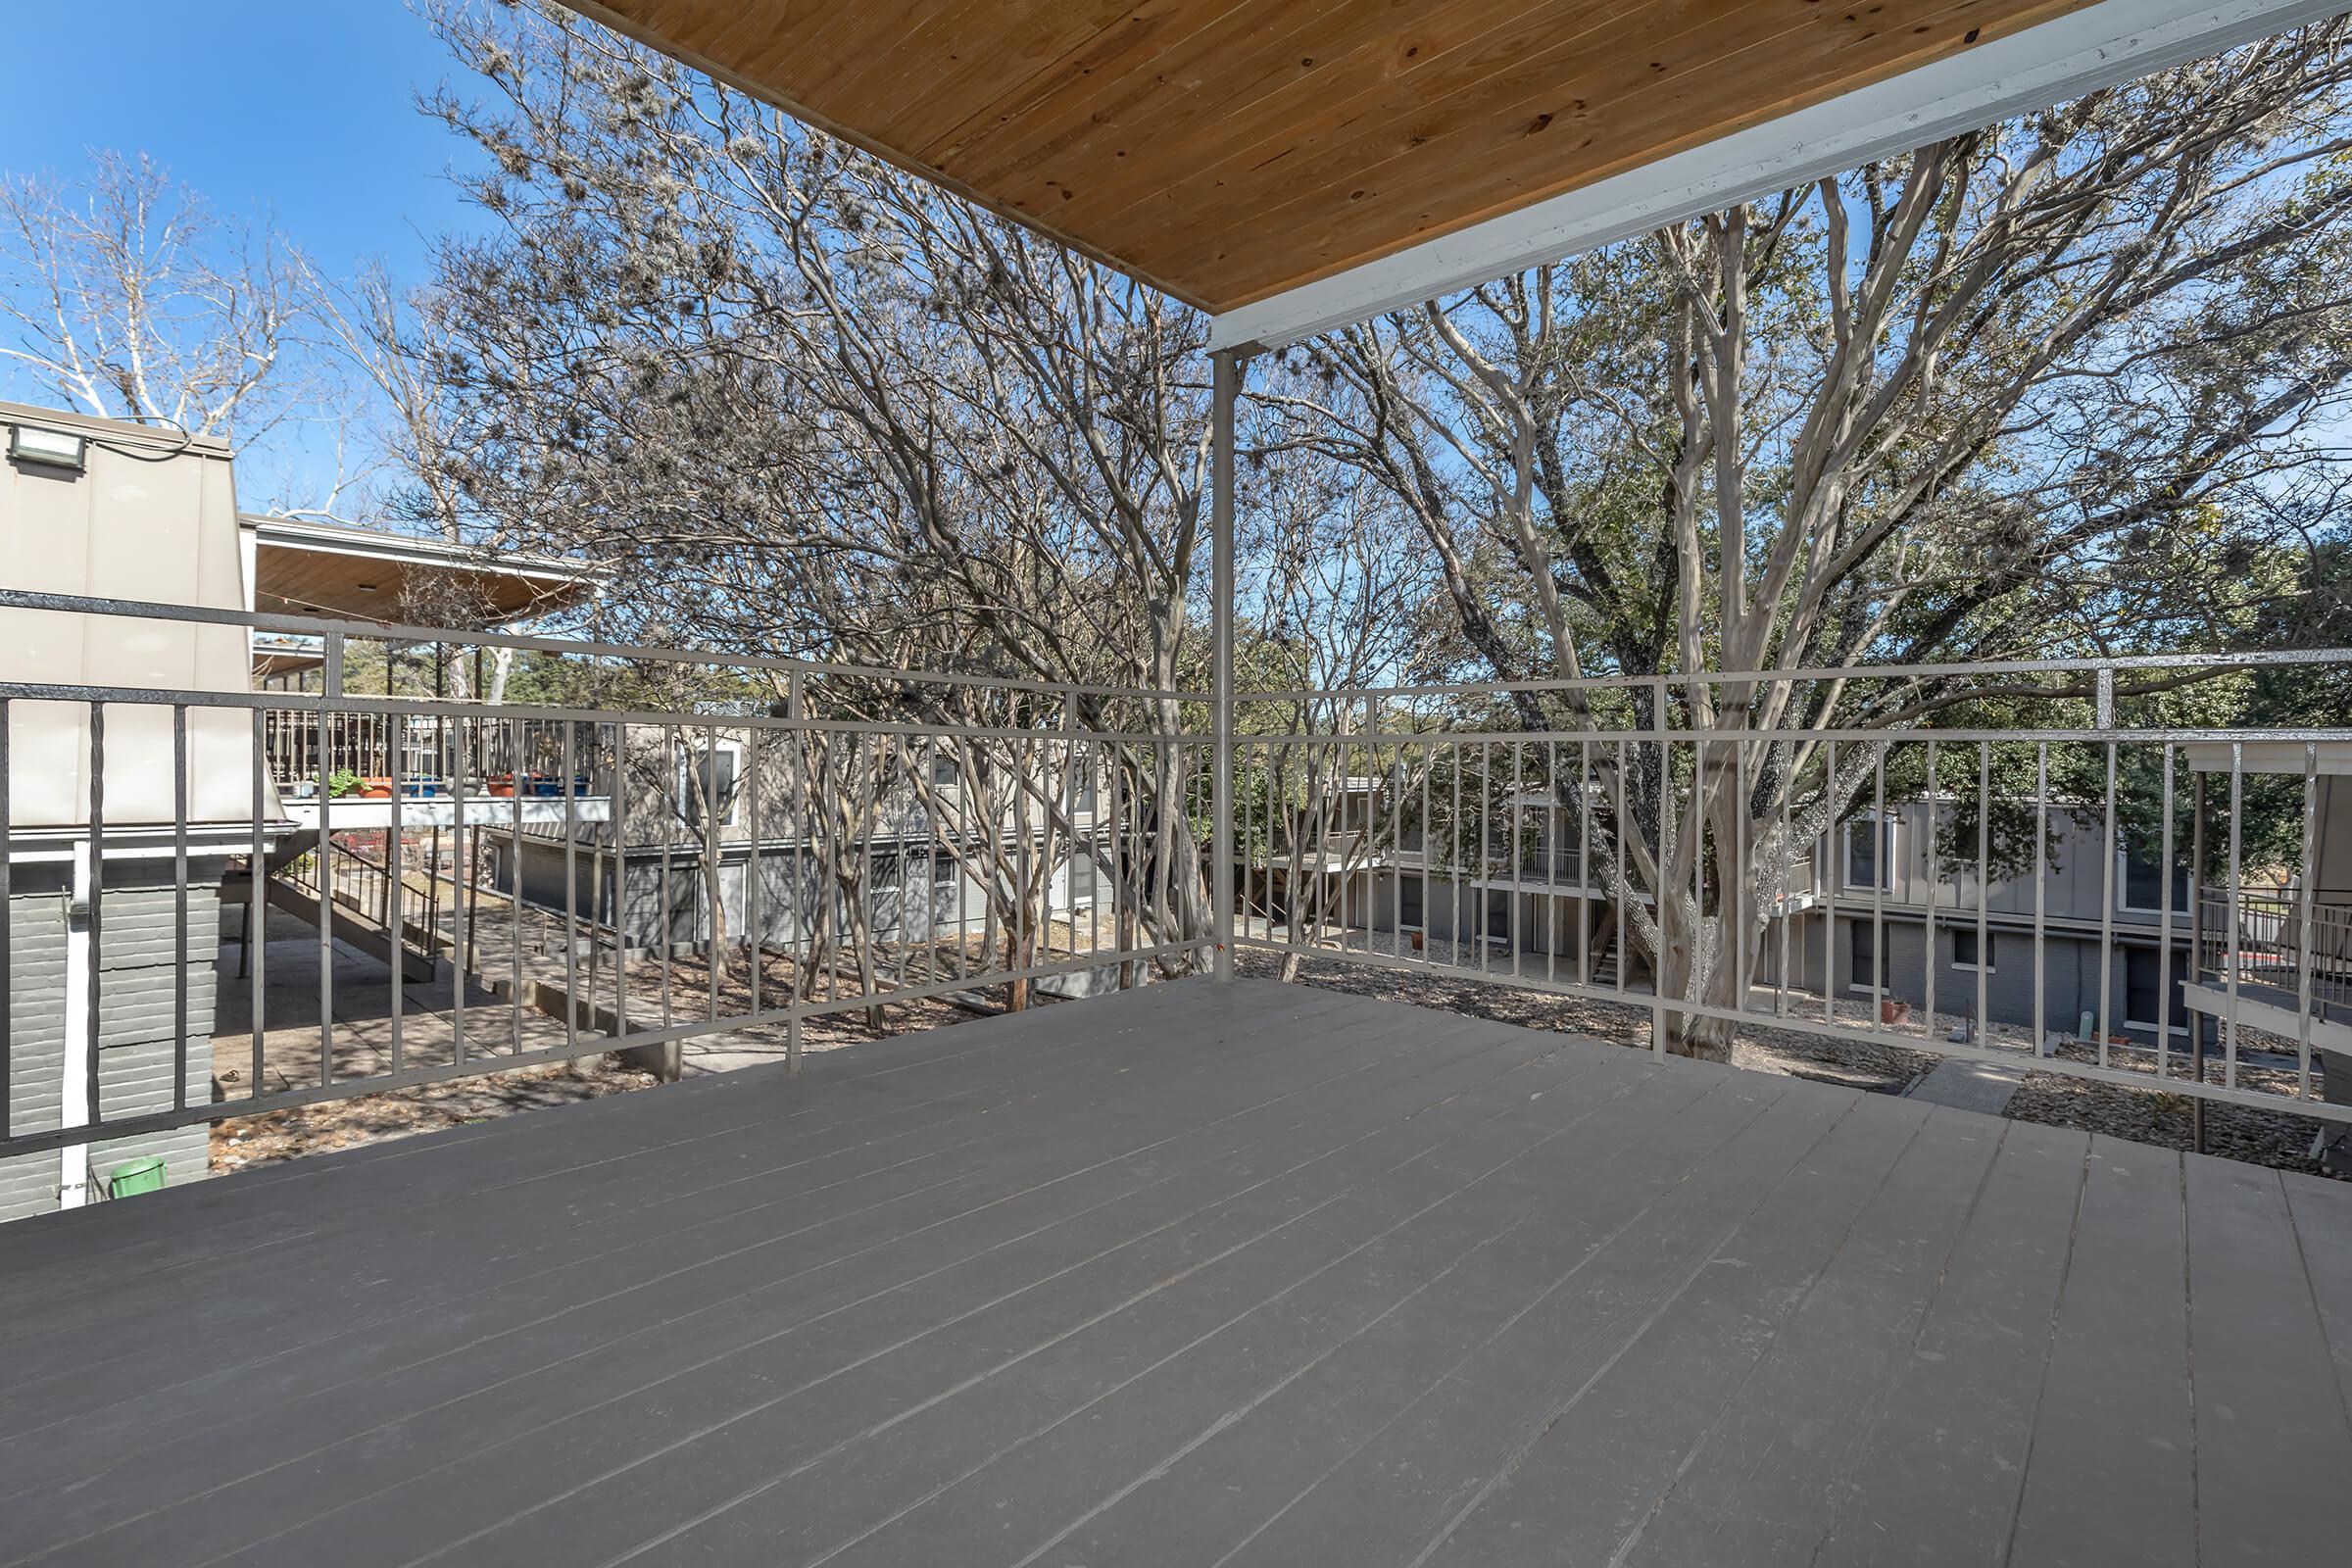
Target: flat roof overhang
(305, 568)
(1291, 167)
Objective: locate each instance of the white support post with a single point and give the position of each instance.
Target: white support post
(1226, 385)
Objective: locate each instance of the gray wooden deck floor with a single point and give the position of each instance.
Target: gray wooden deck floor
(1256, 1275)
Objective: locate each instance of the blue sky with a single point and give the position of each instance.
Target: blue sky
(300, 111)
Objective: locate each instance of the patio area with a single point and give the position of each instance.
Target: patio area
(1196, 1274)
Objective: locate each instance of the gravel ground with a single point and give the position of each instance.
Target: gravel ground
(253, 1140)
(2279, 1140)
(1862, 1064)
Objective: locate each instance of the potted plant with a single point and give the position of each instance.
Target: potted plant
(341, 782)
(375, 789)
(502, 785)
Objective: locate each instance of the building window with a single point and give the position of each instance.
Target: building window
(943, 869)
(1870, 852)
(710, 773)
(2142, 986)
(946, 772)
(1862, 956)
(1964, 950)
(2141, 879)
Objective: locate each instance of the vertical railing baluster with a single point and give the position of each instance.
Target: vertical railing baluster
(755, 744)
(518, 753)
(1737, 925)
(2306, 950)
(1584, 850)
(2041, 883)
(798, 866)
(619, 813)
(1833, 878)
(2164, 931)
(179, 911)
(1454, 858)
(714, 888)
(2107, 860)
(97, 916)
(1784, 766)
(396, 917)
(7, 1012)
(1935, 881)
(1617, 853)
(1983, 1033)
(672, 795)
(461, 943)
(2234, 937)
(257, 933)
(1882, 872)
(568, 760)
(1552, 862)
(1112, 790)
(1518, 938)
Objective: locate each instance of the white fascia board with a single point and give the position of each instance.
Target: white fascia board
(2110, 42)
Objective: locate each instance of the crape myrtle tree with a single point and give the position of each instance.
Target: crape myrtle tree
(2045, 389)
(798, 402)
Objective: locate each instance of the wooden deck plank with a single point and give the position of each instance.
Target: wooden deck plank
(440, 1415)
(459, 1165)
(761, 1138)
(2111, 1474)
(898, 1428)
(2322, 1212)
(1413, 1434)
(2273, 1455)
(1587, 1451)
(1761, 1484)
(1941, 1456)
(698, 1259)
(326, 1342)
(1205, 1276)
(1072, 1491)
(769, 1124)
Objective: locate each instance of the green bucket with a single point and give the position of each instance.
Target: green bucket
(136, 1176)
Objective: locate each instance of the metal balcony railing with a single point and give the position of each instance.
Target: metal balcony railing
(1711, 830)
(2295, 948)
(537, 883)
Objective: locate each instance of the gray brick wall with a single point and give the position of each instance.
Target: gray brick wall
(137, 1018)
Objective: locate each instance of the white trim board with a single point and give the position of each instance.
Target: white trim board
(2114, 40)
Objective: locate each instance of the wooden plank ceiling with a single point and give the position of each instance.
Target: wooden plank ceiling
(294, 580)
(1228, 150)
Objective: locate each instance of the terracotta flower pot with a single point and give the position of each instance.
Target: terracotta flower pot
(1892, 1011)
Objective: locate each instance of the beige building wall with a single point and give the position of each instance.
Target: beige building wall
(152, 517)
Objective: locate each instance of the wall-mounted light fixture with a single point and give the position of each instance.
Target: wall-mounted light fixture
(54, 449)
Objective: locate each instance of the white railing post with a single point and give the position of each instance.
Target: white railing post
(1227, 383)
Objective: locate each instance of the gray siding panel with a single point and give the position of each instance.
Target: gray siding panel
(137, 955)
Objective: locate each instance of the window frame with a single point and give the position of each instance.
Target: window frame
(1856, 932)
(690, 789)
(1846, 880)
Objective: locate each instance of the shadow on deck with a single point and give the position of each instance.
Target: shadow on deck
(1196, 1275)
